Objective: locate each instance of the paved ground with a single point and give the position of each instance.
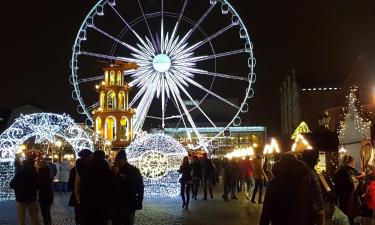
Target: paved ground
(162, 211)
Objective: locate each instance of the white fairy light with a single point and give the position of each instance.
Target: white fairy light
(44, 127)
(158, 157)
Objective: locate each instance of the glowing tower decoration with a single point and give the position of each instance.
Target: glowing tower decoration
(301, 129)
(158, 157)
(113, 119)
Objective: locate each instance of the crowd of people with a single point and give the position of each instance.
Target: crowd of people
(238, 175)
(103, 191)
(298, 195)
(100, 191)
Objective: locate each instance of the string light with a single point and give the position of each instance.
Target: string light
(301, 129)
(352, 113)
(271, 148)
(44, 127)
(300, 140)
(158, 157)
(240, 153)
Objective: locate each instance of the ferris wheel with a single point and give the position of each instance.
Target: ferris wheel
(195, 58)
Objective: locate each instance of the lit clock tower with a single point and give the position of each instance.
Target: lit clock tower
(113, 119)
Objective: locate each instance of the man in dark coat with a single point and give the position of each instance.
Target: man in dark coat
(196, 175)
(25, 185)
(208, 170)
(129, 190)
(96, 194)
(287, 199)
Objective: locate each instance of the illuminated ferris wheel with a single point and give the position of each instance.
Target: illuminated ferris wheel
(195, 58)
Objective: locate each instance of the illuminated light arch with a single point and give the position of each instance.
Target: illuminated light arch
(42, 126)
(158, 157)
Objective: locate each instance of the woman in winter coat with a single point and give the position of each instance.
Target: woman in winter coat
(45, 185)
(186, 181)
(346, 183)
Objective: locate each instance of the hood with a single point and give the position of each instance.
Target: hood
(292, 170)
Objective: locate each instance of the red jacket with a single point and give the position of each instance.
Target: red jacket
(370, 195)
(246, 169)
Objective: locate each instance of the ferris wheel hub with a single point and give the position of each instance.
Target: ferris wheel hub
(161, 63)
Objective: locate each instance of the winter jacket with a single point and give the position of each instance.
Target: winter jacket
(287, 200)
(208, 168)
(25, 184)
(185, 171)
(196, 168)
(129, 188)
(246, 169)
(258, 169)
(370, 195)
(71, 182)
(45, 187)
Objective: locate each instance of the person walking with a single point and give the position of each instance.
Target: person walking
(128, 191)
(186, 181)
(235, 178)
(247, 173)
(346, 183)
(227, 178)
(45, 186)
(317, 212)
(25, 186)
(77, 173)
(96, 200)
(259, 177)
(196, 176)
(64, 170)
(208, 170)
(287, 200)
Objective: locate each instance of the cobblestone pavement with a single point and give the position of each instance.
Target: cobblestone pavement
(161, 211)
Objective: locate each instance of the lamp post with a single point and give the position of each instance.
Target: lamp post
(58, 144)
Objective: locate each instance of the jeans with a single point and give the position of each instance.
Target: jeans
(63, 187)
(185, 188)
(249, 183)
(258, 184)
(32, 207)
(45, 210)
(195, 186)
(207, 183)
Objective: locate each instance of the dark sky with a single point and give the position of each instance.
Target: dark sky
(321, 37)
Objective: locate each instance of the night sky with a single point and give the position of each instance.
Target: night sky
(322, 38)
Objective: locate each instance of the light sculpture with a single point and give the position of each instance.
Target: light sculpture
(158, 157)
(44, 127)
(177, 60)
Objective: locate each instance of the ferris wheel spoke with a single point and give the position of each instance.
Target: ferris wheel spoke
(149, 45)
(85, 80)
(147, 25)
(203, 72)
(176, 27)
(201, 20)
(191, 81)
(177, 95)
(146, 55)
(91, 107)
(197, 45)
(97, 55)
(143, 107)
(196, 105)
(223, 54)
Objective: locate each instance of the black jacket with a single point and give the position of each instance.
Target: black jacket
(287, 200)
(196, 169)
(71, 182)
(45, 187)
(129, 188)
(25, 184)
(185, 171)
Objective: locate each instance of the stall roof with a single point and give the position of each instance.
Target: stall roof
(326, 141)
